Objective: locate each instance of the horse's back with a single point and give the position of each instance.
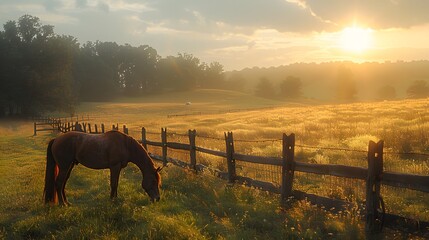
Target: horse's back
(64, 148)
(96, 151)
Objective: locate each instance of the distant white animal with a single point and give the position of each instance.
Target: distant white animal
(188, 103)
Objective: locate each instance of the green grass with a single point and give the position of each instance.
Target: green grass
(192, 206)
(403, 125)
(202, 206)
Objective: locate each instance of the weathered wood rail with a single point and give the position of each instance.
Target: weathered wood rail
(374, 176)
(43, 124)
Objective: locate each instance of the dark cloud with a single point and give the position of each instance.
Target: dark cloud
(277, 14)
(234, 32)
(103, 7)
(376, 14)
(81, 3)
(52, 5)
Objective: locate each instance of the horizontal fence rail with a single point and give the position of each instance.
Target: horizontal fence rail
(373, 218)
(374, 176)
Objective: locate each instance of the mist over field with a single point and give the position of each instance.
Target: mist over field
(293, 119)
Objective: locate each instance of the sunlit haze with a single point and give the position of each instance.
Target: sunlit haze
(356, 39)
(241, 34)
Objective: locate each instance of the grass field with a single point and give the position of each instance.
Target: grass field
(201, 206)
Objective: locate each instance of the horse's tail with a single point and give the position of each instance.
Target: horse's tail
(50, 193)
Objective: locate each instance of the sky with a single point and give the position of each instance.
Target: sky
(245, 33)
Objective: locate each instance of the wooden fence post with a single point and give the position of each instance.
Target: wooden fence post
(102, 128)
(96, 128)
(192, 148)
(164, 145)
(125, 129)
(229, 140)
(89, 128)
(288, 166)
(113, 127)
(144, 143)
(374, 214)
(78, 127)
(35, 129)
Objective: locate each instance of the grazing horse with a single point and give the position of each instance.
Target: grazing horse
(112, 150)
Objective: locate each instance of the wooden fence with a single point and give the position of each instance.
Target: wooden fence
(65, 124)
(375, 215)
(374, 175)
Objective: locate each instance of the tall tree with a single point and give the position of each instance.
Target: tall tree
(386, 92)
(213, 76)
(235, 82)
(94, 77)
(346, 86)
(291, 88)
(137, 69)
(12, 71)
(37, 72)
(265, 88)
(183, 72)
(418, 89)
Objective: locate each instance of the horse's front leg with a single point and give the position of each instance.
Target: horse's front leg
(114, 180)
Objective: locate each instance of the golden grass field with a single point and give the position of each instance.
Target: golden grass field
(201, 206)
(403, 125)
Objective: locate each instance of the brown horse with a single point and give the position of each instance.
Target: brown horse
(112, 150)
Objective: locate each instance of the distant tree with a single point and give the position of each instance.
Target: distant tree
(386, 92)
(235, 82)
(418, 89)
(137, 69)
(265, 88)
(35, 68)
(146, 63)
(94, 78)
(108, 54)
(182, 72)
(291, 88)
(12, 72)
(213, 76)
(346, 86)
(28, 28)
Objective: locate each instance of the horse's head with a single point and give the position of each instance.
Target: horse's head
(151, 183)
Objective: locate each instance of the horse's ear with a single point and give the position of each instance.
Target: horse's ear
(159, 169)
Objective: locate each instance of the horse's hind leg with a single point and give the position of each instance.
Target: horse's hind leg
(60, 184)
(65, 182)
(114, 180)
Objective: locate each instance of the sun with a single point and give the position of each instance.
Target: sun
(355, 39)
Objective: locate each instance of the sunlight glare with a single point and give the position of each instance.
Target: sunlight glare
(356, 39)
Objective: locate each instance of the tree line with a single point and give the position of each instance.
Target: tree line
(42, 71)
(338, 81)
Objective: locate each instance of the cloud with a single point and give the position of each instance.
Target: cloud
(81, 3)
(237, 33)
(103, 7)
(276, 14)
(52, 5)
(379, 14)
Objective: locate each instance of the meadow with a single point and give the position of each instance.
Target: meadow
(202, 206)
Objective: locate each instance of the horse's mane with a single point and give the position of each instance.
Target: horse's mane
(134, 145)
(138, 147)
